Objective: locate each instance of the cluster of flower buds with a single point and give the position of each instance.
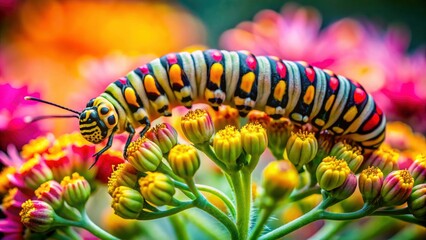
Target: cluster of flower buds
(55, 201)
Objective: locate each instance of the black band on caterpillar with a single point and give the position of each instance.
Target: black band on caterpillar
(303, 93)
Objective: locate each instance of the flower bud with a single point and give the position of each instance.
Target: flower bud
(384, 158)
(325, 143)
(164, 135)
(346, 189)
(260, 117)
(351, 154)
(34, 172)
(370, 184)
(51, 193)
(226, 116)
(418, 169)
(144, 155)
(278, 132)
(417, 201)
(127, 202)
(332, 173)
(157, 188)
(279, 178)
(397, 187)
(184, 160)
(76, 190)
(227, 146)
(301, 148)
(254, 139)
(197, 126)
(37, 215)
(123, 175)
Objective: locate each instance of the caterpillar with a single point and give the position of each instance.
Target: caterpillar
(280, 88)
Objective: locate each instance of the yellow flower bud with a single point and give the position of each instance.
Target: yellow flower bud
(144, 155)
(164, 135)
(370, 183)
(227, 146)
(123, 175)
(157, 188)
(254, 139)
(184, 160)
(351, 154)
(76, 190)
(197, 126)
(279, 178)
(278, 131)
(332, 173)
(127, 202)
(301, 148)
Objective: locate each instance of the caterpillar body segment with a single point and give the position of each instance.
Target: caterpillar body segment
(280, 88)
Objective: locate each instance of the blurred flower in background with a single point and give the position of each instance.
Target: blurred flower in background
(13, 110)
(358, 50)
(71, 50)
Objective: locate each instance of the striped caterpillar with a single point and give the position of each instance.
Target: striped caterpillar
(280, 88)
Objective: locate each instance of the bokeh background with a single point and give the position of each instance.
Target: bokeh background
(69, 51)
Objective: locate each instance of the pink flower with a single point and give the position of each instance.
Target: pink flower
(358, 50)
(13, 110)
(291, 35)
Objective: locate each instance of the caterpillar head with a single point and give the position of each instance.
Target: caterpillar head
(98, 120)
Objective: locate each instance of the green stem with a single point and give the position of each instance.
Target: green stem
(261, 220)
(85, 223)
(254, 160)
(246, 181)
(95, 229)
(390, 212)
(206, 149)
(239, 194)
(68, 212)
(311, 216)
(204, 205)
(179, 227)
(220, 195)
(364, 211)
(154, 215)
(306, 192)
(163, 168)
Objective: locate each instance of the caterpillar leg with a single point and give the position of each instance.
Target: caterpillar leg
(108, 145)
(131, 132)
(145, 129)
